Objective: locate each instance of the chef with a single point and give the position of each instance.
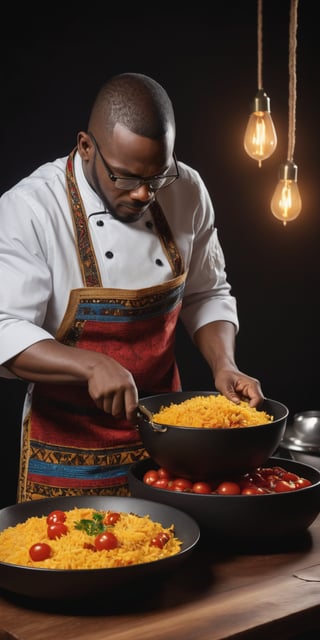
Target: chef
(101, 252)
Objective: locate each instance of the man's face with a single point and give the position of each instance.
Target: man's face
(126, 160)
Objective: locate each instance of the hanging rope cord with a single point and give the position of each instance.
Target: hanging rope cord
(293, 25)
(292, 77)
(259, 42)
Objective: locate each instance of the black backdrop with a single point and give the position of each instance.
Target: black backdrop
(51, 69)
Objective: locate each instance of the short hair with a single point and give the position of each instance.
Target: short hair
(135, 101)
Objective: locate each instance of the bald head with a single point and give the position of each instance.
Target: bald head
(135, 101)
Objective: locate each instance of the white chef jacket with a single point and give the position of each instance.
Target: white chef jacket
(39, 263)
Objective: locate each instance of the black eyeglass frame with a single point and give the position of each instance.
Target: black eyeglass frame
(136, 181)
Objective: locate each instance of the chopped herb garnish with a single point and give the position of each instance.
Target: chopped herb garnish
(92, 527)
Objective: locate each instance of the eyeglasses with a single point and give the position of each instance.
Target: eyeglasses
(131, 183)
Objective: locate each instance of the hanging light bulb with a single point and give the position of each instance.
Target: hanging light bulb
(286, 202)
(260, 139)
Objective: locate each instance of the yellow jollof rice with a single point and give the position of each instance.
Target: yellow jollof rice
(132, 531)
(211, 411)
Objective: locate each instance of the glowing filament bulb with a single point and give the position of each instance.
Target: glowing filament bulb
(286, 201)
(260, 138)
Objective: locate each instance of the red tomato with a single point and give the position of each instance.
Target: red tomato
(106, 540)
(57, 530)
(228, 488)
(253, 490)
(278, 471)
(181, 484)
(160, 540)
(267, 471)
(272, 480)
(244, 483)
(259, 479)
(179, 489)
(302, 482)
(111, 517)
(156, 542)
(283, 485)
(164, 537)
(56, 516)
(40, 551)
(289, 476)
(201, 487)
(161, 483)
(164, 473)
(150, 476)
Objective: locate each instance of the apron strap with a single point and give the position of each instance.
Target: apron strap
(87, 260)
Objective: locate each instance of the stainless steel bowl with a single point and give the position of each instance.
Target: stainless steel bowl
(304, 433)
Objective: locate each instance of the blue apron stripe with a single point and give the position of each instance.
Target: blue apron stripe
(115, 312)
(37, 467)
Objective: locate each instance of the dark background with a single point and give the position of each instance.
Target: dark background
(51, 69)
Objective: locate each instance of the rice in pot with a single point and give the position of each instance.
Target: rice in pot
(133, 533)
(213, 411)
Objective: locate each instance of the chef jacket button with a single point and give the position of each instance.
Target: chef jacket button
(100, 223)
(159, 262)
(149, 224)
(109, 254)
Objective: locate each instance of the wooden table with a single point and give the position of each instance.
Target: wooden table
(216, 594)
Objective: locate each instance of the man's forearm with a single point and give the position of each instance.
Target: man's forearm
(216, 342)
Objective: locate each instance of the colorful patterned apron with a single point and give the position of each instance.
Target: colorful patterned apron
(69, 446)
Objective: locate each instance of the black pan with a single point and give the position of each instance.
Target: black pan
(62, 584)
(206, 454)
(242, 521)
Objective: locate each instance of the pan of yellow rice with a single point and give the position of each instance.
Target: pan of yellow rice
(201, 435)
(75, 568)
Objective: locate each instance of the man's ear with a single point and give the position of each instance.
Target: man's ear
(84, 144)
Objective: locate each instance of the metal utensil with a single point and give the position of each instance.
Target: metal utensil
(148, 414)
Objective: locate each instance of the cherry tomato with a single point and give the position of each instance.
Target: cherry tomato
(156, 542)
(253, 490)
(272, 480)
(302, 482)
(278, 471)
(40, 551)
(283, 485)
(160, 540)
(56, 516)
(289, 476)
(228, 488)
(150, 476)
(57, 530)
(161, 483)
(106, 540)
(259, 479)
(201, 487)
(164, 536)
(181, 484)
(111, 517)
(164, 473)
(267, 471)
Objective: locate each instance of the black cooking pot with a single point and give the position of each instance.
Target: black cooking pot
(248, 523)
(204, 453)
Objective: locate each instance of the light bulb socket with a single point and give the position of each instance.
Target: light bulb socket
(261, 102)
(288, 171)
